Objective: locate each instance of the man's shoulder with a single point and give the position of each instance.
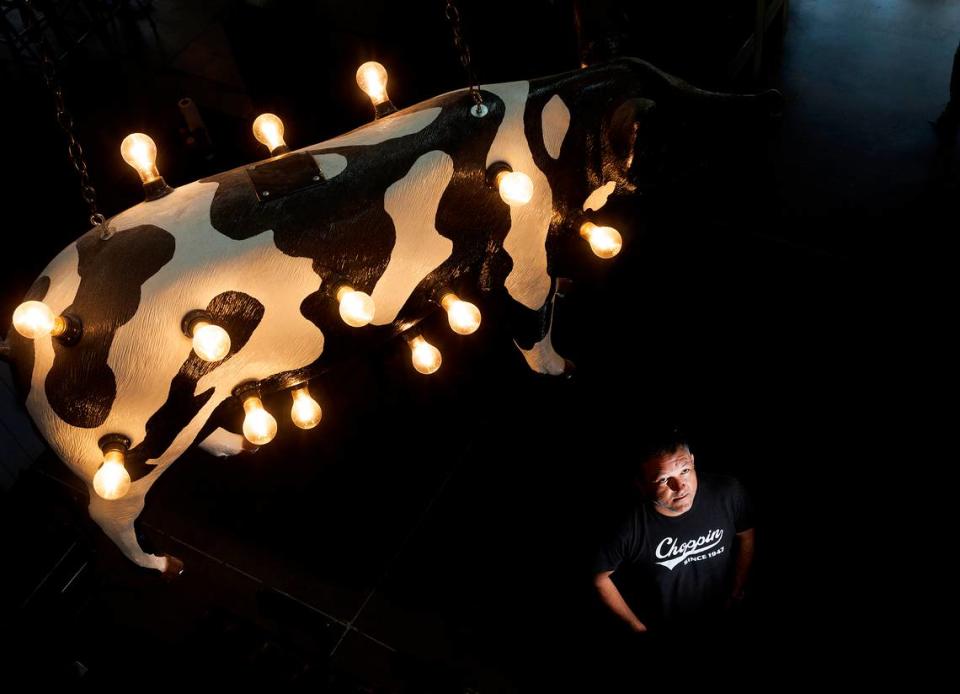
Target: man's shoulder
(727, 495)
(719, 483)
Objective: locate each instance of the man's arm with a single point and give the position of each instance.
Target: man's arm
(742, 567)
(611, 598)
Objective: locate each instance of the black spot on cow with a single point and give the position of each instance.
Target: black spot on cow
(342, 226)
(22, 348)
(81, 386)
(239, 314)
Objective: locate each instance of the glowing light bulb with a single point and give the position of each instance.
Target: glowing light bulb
(306, 412)
(426, 357)
(210, 342)
(112, 480)
(259, 426)
(356, 308)
(268, 129)
(140, 152)
(34, 319)
(463, 316)
(605, 242)
(515, 187)
(372, 79)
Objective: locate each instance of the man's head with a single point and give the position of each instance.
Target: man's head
(667, 475)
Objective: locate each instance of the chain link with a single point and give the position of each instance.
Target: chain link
(453, 15)
(74, 150)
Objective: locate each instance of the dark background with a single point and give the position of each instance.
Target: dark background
(434, 534)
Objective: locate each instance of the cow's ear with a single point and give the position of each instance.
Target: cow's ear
(625, 122)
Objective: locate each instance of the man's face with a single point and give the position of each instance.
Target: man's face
(670, 481)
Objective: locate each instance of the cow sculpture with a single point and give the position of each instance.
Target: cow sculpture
(401, 208)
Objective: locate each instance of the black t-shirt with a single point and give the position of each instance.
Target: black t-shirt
(679, 570)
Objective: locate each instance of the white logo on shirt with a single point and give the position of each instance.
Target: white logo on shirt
(671, 547)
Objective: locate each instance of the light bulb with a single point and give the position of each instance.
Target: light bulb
(426, 357)
(372, 79)
(605, 242)
(515, 187)
(306, 412)
(268, 129)
(210, 342)
(140, 152)
(34, 319)
(463, 316)
(356, 308)
(112, 480)
(259, 426)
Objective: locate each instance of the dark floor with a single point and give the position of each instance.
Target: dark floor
(762, 302)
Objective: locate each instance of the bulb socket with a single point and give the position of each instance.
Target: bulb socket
(384, 108)
(156, 189)
(193, 317)
(72, 331)
(292, 382)
(114, 442)
(335, 284)
(246, 389)
(494, 170)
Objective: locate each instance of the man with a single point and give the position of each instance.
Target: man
(681, 558)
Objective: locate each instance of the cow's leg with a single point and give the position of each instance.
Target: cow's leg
(532, 335)
(116, 518)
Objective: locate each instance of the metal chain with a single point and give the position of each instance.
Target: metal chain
(453, 15)
(74, 150)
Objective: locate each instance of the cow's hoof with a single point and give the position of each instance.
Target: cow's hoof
(174, 567)
(566, 374)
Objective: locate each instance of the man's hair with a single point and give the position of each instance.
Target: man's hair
(659, 441)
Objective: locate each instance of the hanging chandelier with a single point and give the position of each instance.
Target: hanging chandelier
(151, 332)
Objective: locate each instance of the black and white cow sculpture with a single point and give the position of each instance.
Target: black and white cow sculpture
(402, 208)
